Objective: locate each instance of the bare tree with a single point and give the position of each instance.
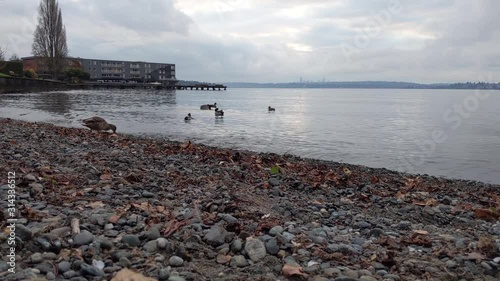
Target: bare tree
(50, 37)
(2, 54)
(14, 57)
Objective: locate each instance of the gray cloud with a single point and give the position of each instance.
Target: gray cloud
(271, 40)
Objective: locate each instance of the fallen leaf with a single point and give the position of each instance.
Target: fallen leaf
(105, 177)
(290, 270)
(476, 256)
(486, 214)
(347, 171)
(129, 275)
(429, 202)
(96, 204)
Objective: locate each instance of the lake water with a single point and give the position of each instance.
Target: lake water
(420, 131)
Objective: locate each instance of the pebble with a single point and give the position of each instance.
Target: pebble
(175, 261)
(151, 246)
(240, 261)
(63, 266)
(83, 238)
(24, 232)
(36, 258)
(89, 270)
(162, 243)
(276, 230)
(255, 249)
(272, 246)
(131, 240)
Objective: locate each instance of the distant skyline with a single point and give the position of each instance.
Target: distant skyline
(279, 41)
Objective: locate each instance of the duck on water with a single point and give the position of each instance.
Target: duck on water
(98, 124)
(188, 117)
(269, 108)
(219, 113)
(208, 106)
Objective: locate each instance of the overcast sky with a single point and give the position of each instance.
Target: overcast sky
(279, 40)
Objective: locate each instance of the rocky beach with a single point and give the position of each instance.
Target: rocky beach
(99, 206)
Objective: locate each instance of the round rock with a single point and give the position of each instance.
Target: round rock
(256, 250)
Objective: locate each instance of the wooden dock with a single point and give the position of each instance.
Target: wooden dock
(96, 85)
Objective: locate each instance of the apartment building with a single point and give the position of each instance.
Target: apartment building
(129, 70)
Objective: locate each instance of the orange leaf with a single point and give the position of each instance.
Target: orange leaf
(113, 219)
(129, 275)
(486, 214)
(105, 177)
(96, 204)
(290, 270)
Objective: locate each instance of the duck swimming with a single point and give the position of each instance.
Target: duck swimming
(270, 109)
(188, 117)
(98, 124)
(208, 106)
(219, 113)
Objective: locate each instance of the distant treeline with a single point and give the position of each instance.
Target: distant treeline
(367, 85)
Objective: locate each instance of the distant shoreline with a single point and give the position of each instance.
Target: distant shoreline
(368, 85)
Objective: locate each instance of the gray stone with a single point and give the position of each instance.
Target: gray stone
(124, 262)
(89, 270)
(237, 245)
(153, 234)
(83, 238)
(392, 277)
(227, 217)
(23, 232)
(175, 261)
(30, 177)
(217, 235)
(148, 194)
(105, 244)
(36, 258)
(332, 272)
(151, 246)
(367, 278)
(345, 279)
(405, 225)
(162, 243)
(255, 249)
(70, 274)
(451, 264)
(239, 261)
(272, 246)
(63, 266)
(45, 267)
(176, 278)
(276, 230)
(49, 256)
(50, 276)
(131, 240)
(274, 182)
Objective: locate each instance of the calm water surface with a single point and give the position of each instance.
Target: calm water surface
(378, 128)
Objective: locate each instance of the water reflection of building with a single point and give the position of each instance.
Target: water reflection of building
(53, 102)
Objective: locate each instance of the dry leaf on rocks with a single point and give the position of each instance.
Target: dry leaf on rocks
(129, 275)
(486, 214)
(96, 204)
(429, 202)
(290, 270)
